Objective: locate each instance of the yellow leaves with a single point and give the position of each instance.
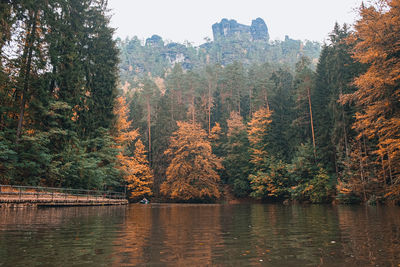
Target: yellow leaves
(257, 132)
(123, 132)
(235, 124)
(135, 169)
(191, 173)
(137, 172)
(377, 43)
(342, 188)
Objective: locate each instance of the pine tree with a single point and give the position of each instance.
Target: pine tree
(236, 161)
(274, 183)
(149, 92)
(304, 122)
(310, 180)
(280, 136)
(191, 174)
(335, 72)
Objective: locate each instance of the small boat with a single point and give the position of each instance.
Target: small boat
(144, 201)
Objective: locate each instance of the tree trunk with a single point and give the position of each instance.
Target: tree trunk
(266, 99)
(209, 108)
(312, 123)
(149, 125)
(362, 173)
(29, 48)
(384, 174)
(193, 109)
(250, 96)
(390, 170)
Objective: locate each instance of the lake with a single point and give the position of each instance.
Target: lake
(201, 235)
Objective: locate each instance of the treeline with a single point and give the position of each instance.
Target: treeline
(272, 133)
(263, 130)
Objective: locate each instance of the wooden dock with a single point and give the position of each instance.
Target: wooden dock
(28, 196)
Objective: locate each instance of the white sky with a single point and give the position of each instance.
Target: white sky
(188, 20)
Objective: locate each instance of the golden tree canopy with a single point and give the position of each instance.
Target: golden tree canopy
(258, 130)
(191, 173)
(377, 43)
(134, 166)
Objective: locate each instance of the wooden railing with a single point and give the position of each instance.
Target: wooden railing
(16, 193)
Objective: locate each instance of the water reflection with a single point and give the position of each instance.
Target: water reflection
(201, 235)
(173, 235)
(58, 236)
(370, 235)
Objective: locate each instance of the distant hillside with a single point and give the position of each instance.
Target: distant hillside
(232, 42)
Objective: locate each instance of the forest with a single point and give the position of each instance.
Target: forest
(276, 128)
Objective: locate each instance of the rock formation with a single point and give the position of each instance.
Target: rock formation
(231, 28)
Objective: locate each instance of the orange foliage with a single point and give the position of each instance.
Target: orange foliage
(235, 124)
(258, 130)
(215, 132)
(135, 169)
(191, 173)
(123, 135)
(377, 43)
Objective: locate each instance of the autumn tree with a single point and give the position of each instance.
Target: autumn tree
(141, 175)
(191, 174)
(261, 177)
(376, 39)
(258, 132)
(134, 166)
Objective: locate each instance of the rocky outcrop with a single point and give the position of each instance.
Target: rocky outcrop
(231, 28)
(259, 30)
(155, 41)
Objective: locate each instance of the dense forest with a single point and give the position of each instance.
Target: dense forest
(81, 109)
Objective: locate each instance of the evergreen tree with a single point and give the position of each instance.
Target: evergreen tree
(236, 161)
(311, 181)
(304, 122)
(281, 136)
(335, 72)
(274, 183)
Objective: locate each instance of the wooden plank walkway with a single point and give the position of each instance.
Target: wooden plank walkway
(21, 196)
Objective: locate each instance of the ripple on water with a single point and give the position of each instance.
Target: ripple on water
(184, 234)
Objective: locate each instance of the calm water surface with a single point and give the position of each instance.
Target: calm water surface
(201, 235)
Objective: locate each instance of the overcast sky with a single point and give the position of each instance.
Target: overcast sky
(187, 20)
